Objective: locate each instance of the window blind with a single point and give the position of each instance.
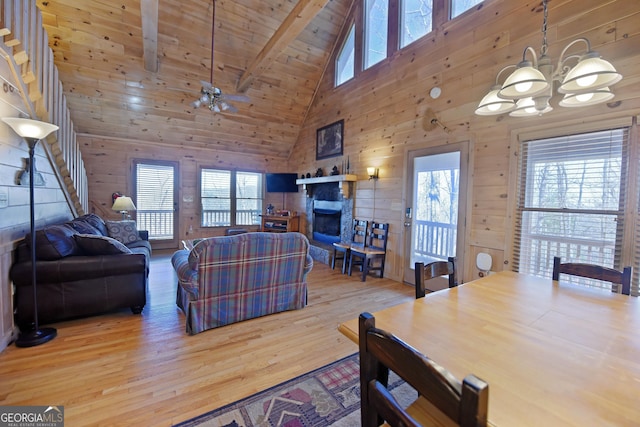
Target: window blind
(230, 197)
(154, 200)
(571, 201)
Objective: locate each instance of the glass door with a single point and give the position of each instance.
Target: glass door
(156, 201)
(435, 212)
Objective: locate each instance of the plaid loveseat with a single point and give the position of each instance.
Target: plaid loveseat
(228, 279)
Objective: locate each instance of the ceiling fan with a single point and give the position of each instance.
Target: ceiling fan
(212, 96)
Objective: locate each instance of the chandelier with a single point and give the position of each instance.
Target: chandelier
(528, 89)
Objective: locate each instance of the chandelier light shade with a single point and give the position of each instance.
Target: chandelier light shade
(591, 73)
(589, 98)
(492, 104)
(525, 81)
(528, 90)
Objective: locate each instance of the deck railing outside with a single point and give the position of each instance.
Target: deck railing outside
(159, 223)
(223, 218)
(434, 240)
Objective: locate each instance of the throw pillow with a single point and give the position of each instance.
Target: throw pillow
(54, 242)
(83, 227)
(123, 231)
(96, 222)
(93, 244)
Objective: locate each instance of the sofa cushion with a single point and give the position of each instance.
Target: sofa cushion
(54, 242)
(83, 227)
(123, 231)
(93, 244)
(95, 222)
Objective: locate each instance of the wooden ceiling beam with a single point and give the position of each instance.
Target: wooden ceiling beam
(297, 20)
(149, 16)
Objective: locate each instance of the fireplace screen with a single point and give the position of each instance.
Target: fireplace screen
(326, 221)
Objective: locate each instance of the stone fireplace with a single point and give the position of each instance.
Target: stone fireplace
(329, 217)
(329, 212)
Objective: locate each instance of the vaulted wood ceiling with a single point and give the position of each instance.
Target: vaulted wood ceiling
(275, 52)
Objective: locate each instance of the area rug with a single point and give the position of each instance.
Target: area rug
(327, 396)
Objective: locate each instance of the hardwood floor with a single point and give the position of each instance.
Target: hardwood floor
(121, 369)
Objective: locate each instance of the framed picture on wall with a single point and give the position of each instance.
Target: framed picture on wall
(329, 141)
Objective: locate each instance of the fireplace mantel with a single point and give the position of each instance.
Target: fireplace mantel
(342, 181)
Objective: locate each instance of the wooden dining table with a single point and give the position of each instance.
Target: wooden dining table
(553, 353)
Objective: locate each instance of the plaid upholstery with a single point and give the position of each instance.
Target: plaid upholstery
(228, 279)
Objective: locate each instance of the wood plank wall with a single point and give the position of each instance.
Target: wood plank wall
(110, 168)
(384, 111)
(31, 88)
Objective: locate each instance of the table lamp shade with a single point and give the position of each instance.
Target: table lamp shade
(123, 203)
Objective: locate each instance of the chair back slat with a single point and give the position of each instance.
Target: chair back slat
(622, 279)
(378, 236)
(360, 230)
(465, 403)
(434, 269)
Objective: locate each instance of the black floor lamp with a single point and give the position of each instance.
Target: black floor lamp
(32, 131)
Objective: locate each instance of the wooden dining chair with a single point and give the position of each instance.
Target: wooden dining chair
(429, 271)
(442, 398)
(620, 280)
(342, 250)
(373, 252)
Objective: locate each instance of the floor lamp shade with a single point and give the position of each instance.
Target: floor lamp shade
(32, 131)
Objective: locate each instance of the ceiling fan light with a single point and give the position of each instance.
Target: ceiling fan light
(591, 73)
(491, 104)
(586, 99)
(525, 81)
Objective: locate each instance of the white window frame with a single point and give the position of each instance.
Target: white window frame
(627, 249)
(371, 32)
(233, 216)
(348, 48)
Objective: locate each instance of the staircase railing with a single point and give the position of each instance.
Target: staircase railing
(25, 47)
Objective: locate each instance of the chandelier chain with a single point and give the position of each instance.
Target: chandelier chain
(543, 50)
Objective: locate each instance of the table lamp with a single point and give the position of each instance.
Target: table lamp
(123, 204)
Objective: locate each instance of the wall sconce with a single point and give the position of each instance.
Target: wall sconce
(372, 172)
(123, 204)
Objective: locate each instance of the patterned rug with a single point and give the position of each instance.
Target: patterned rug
(327, 396)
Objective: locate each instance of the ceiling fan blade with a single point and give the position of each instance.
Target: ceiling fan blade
(239, 98)
(228, 107)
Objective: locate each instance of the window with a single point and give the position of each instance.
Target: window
(460, 6)
(230, 197)
(155, 187)
(572, 202)
(345, 65)
(379, 28)
(415, 20)
(376, 18)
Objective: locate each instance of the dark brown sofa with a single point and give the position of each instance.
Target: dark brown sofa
(81, 271)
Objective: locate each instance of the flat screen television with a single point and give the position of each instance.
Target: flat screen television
(281, 182)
